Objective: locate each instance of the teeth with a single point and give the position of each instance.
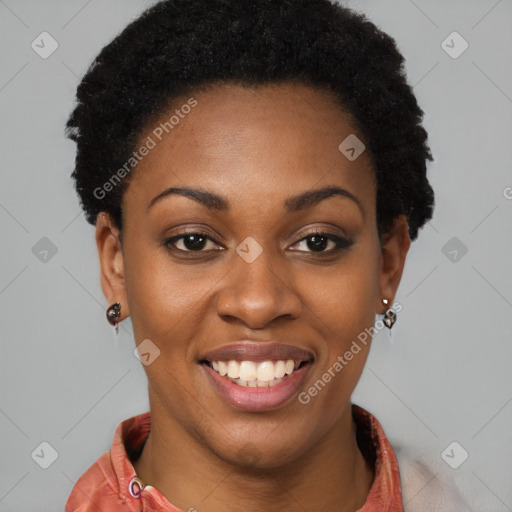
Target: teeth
(248, 370)
(223, 367)
(266, 371)
(280, 369)
(252, 374)
(257, 383)
(233, 370)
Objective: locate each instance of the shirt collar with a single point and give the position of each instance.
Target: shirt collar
(385, 493)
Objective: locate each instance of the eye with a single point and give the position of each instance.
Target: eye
(318, 242)
(189, 242)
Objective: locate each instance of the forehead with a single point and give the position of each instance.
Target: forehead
(253, 144)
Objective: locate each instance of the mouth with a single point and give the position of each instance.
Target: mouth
(257, 376)
(253, 374)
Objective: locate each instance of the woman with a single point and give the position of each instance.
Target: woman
(256, 171)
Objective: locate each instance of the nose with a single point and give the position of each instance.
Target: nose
(259, 292)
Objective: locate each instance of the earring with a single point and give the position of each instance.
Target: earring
(389, 316)
(113, 313)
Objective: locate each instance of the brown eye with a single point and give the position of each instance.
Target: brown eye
(189, 242)
(319, 242)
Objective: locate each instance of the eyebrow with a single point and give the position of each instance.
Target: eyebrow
(293, 204)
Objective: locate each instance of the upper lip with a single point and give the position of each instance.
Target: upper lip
(258, 351)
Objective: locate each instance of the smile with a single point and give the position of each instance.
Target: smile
(266, 392)
(254, 374)
(257, 376)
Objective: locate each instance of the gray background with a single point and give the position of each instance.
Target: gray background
(444, 376)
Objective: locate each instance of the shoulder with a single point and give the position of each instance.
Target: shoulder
(426, 488)
(106, 484)
(96, 489)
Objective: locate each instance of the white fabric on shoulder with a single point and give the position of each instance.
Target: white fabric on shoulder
(425, 488)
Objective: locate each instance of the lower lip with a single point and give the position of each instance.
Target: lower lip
(257, 399)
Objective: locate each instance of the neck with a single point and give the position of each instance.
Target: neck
(333, 475)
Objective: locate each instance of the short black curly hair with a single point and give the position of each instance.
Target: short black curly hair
(178, 46)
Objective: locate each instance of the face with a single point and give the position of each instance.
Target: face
(268, 252)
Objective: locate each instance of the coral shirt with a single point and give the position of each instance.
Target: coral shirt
(111, 483)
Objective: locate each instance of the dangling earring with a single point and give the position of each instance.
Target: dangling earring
(389, 316)
(113, 313)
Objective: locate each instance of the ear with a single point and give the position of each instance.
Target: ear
(395, 245)
(111, 258)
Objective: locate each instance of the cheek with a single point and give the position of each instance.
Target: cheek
(343, 311)
(169, 300)
(343, 299)
(345, 314)
(163, 296)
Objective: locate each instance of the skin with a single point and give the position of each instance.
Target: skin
(255, 147)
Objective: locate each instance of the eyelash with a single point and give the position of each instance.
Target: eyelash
(341, 243)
